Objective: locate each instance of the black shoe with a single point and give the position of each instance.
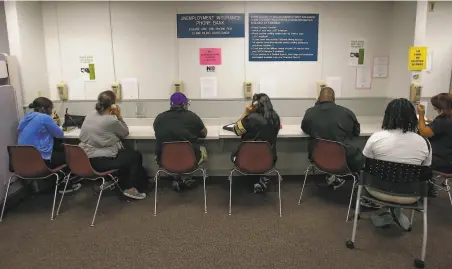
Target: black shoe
(190, 183)
(369, 204)
(176, 185)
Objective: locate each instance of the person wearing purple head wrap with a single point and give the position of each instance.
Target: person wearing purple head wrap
(180, 124)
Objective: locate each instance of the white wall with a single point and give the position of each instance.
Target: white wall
(4, 46)
(402, 24)
(26, 42)
(439, 40)
(140, 38)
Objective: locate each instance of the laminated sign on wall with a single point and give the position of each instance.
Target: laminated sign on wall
(417, 58)
(87, 68)
(356, 57)
(210, 56)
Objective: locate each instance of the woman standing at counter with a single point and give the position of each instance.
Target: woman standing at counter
(439, 132)
(100, 138)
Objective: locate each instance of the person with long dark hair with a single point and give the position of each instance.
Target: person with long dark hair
(100, 138)
(260, 122)
(397, 142)
(439, 132)
(38, 129)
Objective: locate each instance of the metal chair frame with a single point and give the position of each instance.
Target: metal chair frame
(312, 167)
(199, 167)
(267, 173)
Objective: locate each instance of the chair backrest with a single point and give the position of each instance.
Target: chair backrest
(329, 156)
(396, 178)
(26, 161)
(78, 161)
(254, 157)
(178, 157)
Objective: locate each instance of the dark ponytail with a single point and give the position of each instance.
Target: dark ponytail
(42, 105)
(104, 101)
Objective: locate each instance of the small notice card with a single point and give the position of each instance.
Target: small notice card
(210, 56)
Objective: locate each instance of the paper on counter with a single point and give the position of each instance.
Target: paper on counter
(209, 87)
(381, 67)
(335, 83)
(267, 86)
(363, 78)
(129, 88)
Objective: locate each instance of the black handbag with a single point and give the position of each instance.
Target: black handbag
(72, 120)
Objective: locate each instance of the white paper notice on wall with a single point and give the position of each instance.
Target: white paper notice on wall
(209, 87)
(267, 86)
(335, 83)
(363, 78)
(129, 88)
(381, 67)
(76, 89)
(3, 70)
(87, 68)
(356, 57)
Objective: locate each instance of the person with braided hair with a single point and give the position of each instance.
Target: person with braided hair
(398, 142)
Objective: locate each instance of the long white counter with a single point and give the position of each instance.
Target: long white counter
(142, 129)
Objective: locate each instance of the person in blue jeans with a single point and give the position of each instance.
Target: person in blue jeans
(38, 129)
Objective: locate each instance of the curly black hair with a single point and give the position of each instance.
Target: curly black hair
(400, 114)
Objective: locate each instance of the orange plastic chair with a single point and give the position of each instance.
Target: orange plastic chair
(27, 163)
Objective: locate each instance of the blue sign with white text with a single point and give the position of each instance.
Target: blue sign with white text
(211, 25)
(283, 37)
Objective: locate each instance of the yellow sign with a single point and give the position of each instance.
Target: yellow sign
(417, 59)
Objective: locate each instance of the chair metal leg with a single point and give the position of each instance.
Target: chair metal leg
(446, 182)
(204, 174)
(55, 195)
(351, 198)
(424, 241)
(155, 195)
(420, 263)
(351, 244)
(98, 201)
(304, 182)
(66, 178)
(6, 196)
(279, 192)
(230, 191)
(412, 217)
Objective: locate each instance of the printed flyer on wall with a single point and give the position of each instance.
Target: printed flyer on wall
(356, 57)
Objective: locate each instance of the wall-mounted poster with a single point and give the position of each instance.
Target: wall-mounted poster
(211, 25)
(87, 68)
(210, 56)
(283, 37)
(356, 57)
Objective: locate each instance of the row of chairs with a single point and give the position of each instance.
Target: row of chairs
(253, 158)
(178, 159)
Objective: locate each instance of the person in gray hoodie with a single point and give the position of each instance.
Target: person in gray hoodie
(100, 138)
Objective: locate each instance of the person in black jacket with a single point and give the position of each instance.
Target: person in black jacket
(260, 122)
(329, 121)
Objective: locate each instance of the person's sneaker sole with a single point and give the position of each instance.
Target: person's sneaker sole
(71, 190)
(400, 218)
(258, 188)
(134, 197)
(175, 186)
(339, 184)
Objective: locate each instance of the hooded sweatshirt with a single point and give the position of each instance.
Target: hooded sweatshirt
(38, 130)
